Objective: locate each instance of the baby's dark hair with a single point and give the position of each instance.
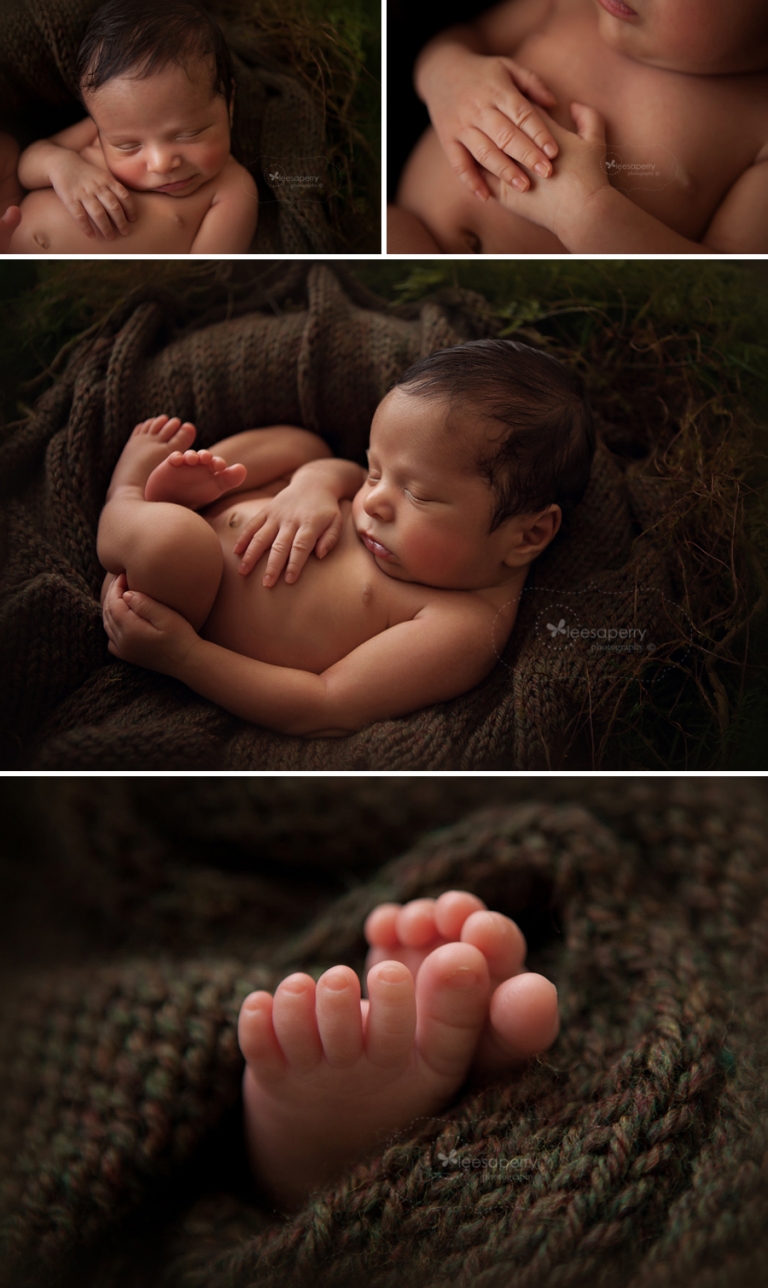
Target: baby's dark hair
(543, 451)
(144, 36)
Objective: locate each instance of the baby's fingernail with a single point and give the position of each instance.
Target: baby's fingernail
(520, 184)
(290, 577)
(267, 581)
(543, 169)
(550, 149)
(128, 596)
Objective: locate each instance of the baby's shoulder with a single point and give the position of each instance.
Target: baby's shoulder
(235, 182)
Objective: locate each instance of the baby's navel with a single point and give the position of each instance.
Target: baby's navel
(367, 593)
(177, 219)
(43, 241)
(234, 520)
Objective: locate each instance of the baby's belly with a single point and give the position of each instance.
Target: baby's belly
(163, 225)
(459, 222)
(338, 602)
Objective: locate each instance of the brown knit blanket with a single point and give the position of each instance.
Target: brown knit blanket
(319, 354)
(632, 1154)
(278, 129)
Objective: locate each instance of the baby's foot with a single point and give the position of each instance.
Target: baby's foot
(150, 443)
(328, 1077)
(523, 1017)
(9, 221)
(193, 479)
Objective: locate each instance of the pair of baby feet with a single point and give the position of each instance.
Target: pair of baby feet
(158, 460)
(329, 1073)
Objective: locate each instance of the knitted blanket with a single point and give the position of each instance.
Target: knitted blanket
(317, 353)
(278, 130)
(632, 1154)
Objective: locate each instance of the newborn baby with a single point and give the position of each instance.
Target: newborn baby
(417, 565)
(329, 1075)
(149, 170)
(617, 128)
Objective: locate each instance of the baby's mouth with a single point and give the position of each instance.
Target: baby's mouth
(618, 9)
(175, 187)
(375, 547)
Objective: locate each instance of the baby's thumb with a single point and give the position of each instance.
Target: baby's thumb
(142, 606)
(590, 125)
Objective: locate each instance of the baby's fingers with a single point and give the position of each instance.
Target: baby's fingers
(495, 161)
(463, 165)
(530, 83)
(301, 549)
(329, 537)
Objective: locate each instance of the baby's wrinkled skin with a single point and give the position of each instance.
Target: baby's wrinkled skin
(649, 126)
(406, 598)
(149, 171)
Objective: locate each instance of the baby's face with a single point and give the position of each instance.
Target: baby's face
(165, 133)
(424, 512)
(705, 37)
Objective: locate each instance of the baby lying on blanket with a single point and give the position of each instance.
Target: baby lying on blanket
(149, 169)
(411, 572)
(330, 1075)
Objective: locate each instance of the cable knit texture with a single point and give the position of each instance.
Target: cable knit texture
(633, 1153)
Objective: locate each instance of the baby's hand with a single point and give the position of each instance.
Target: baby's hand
(300, 519)
(143, 631)
(557, 205)
(480, 114)
(93, 197)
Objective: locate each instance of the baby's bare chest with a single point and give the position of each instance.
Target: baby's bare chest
(337, 604)
(675, 143)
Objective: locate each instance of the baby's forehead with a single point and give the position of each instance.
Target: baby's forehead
(194, 72)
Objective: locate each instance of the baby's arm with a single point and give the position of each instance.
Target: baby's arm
(472, 91)
(444, 651)
(95, 199)
(230, 221)
(581, 208)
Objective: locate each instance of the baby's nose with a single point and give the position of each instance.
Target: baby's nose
(161, 160)
(377, 503)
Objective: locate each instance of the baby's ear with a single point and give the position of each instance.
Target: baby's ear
(533, 535)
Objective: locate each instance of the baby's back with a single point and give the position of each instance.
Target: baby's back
(676, 142)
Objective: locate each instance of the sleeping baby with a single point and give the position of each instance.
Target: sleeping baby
(401, 583)
(149, 170)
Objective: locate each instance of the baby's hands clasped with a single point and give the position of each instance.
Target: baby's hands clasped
(482, 111)
(302, 517)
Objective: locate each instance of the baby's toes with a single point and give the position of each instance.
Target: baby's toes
(452, 910)
(501, 942)
(381, 926)
(337, 1005)
(391, 1020)
(415, 923)
(295, 1022)
(523, 1021)
(452, 989)
(256, 1036)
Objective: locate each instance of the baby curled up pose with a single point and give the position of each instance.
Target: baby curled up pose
(592, 126)
(330, 1075)
(411, 571)
(149, 169)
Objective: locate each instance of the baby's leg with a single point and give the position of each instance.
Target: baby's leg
(166, 550)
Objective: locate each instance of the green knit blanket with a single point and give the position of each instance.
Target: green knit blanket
(143, 912)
